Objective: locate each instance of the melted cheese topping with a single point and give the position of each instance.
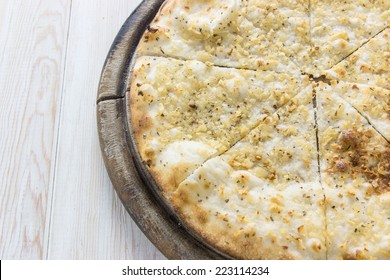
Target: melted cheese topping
(355, 170)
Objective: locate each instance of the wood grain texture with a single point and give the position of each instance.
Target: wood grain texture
(32, 43)
(87, 220)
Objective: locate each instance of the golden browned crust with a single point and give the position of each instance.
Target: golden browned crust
(140, 119)
(142, 124)
(243, 245)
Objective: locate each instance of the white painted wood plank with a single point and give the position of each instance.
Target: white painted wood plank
(32, 47)
(88, 221)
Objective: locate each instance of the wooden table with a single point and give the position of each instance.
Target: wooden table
(56, 200)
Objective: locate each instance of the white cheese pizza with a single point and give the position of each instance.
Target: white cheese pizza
(265, 124)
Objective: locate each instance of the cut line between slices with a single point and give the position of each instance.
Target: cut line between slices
(361, 46)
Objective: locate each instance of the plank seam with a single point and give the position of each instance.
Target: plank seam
(53, 180)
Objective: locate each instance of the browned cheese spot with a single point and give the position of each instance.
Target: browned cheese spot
(348, 139)
(382, 183)
(358, 255)
(355, 87)
(348, 256)
(341, 73)
(342, 165)
(352, 156)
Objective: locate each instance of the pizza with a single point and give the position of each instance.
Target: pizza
(265, 125)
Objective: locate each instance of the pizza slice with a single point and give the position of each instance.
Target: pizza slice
(262, 199)
(184, 112)
(368, 65)
(372, 102)
(355, 171)
(341, 27)
(212, 31)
